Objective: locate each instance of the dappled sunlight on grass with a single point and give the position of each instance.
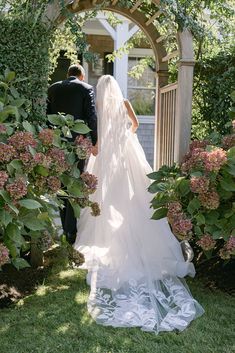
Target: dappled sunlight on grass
(5, 328)
(80, 298)
(42, 290)
(63, 328)
(67, 274)
(55, 320)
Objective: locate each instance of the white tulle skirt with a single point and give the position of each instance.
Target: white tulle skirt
(135, 264)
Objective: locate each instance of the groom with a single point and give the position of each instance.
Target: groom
(74, 96)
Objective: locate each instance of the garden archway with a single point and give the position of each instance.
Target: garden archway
(173, 101)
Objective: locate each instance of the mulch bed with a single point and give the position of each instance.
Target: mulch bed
(15, 285)
(217, 275)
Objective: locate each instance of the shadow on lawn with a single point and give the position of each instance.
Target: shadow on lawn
(54, 319)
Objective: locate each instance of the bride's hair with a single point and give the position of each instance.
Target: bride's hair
(111, 112)
(108, 89)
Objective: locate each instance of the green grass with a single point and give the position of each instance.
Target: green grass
(55, 320)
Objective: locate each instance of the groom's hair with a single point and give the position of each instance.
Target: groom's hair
(76, 70)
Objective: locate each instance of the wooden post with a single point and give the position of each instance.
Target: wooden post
(184, 95)
(161, 81)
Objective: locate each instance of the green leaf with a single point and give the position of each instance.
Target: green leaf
(75, 189)
(7, 111)
(30, 204)
(5, 195)
(75, 172)
(198, 230)
(160, 200)
(5, 217)
(12, 231)
(160, 213)
(193, 205)
(76, 209)
(18, 102)
(184, 187)
(66, 131)
(196, 174)
(71, 158)
(156, 187)
(228, 184)
(55, 119)
(29, 127)
(212, 217)
(13, 249)
(14, 92)
(34, 224)
(231, 152)
(66, 180)
(80, 128)
(200, 219)
(16, 164)
(9, 75)
(20, 263)
(39, 169)
(155, 176)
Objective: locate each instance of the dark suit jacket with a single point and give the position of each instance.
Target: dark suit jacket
(74, 97)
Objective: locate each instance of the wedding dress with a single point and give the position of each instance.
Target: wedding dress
(135, 264)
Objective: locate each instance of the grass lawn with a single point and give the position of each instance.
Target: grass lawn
(55, 320)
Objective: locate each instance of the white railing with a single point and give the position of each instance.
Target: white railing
(165, 125)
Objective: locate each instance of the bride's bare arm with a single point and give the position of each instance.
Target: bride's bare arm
(132, 116)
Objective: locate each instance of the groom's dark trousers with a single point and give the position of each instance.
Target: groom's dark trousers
(74, 97)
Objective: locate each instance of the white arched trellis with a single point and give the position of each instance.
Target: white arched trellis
(173, 101)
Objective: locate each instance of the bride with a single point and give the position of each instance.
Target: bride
(135, 264)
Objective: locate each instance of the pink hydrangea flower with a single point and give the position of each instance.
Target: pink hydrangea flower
(230, 245)
(228, 141)
(54, 183)
(233, 124)
(199, 184)
(174, 211)
(46, 136)
(95, 209)
(22, 140)
(7, 152)
(91, 182)
(83, 147)
(193, 160)
(3, 129)
(17, 189)
(206, 242)
(182, 227)
(224, 254)
(4, 255)
(44, 160)
(3, 178)
(210, 200)
(198, 144)
(215, 159)
(57, 157)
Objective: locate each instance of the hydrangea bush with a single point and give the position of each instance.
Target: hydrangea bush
(38, 164)
(198, 197)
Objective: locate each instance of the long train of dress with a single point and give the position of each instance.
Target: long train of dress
(135, 264)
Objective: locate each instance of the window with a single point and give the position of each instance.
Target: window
(141, 92)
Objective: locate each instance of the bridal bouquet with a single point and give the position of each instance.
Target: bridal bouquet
(37, 165)
(198, 197)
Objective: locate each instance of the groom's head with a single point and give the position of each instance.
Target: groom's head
(77, 71)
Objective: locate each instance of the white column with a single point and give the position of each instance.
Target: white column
(184, 95)
(120, 34)
(121, 64)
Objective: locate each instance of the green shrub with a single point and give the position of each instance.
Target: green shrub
(24, 49)
(198, 197)
(37, 165)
